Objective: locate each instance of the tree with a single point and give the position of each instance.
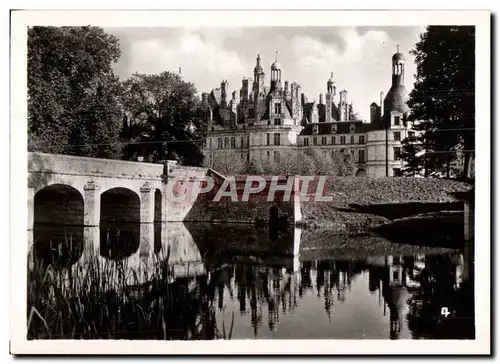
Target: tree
(226, 163)
(72, 92)
(334, 163)
(165, 118)
(442, 100)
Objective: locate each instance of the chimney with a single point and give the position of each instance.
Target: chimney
(381, 103)
(303, 98)
(321, 99)
(223, 97)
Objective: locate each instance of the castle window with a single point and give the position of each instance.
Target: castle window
(333, 140)
(277, 108)
(333, 129)
(397, 153)
(268, 155)
(352, 152)
(268, 139)
(324, 154)
(361, 139)
(352, 128)
(226, 143)
(323, 140)
(396, 120)
(315, 129)
(397, 135)
(210, 143)
(248, 141)
(342, 140)
(315, 141)
(277, 121)
(352, 139)
(219, 143)
(242, 142)
(276, 156)
(269, 123)
(306, 141)
(233, 143)
(277, 139)
(213, 128)
(361, 156)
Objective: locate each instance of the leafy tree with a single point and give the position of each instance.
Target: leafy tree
(72, 92)
(443, 96)
(164, 118)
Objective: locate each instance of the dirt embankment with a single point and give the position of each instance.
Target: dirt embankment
(402, 210)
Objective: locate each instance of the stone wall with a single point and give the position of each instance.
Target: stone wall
(66, 164)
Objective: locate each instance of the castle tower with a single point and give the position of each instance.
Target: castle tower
(395, 101)
(258, 78)
(258, 85)
(331, 90)
(398, 66)
(276, 75)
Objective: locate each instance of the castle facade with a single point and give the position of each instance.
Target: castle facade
(267, 121)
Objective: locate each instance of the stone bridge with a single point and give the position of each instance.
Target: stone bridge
(99, 193)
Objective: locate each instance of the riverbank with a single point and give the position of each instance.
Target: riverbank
(414, 211)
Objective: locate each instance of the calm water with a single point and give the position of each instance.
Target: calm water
(253, 284)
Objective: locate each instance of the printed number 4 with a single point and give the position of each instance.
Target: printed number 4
(445, 312)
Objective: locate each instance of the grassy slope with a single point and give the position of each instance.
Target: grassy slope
(384, 214)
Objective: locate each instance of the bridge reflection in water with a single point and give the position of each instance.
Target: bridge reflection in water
(254, 281)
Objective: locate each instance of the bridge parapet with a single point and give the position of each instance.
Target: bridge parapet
(92, 167)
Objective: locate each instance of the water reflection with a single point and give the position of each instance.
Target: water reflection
(254, 281)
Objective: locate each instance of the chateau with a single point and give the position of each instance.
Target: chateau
(267, 121)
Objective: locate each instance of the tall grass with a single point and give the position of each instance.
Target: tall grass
(125, 299)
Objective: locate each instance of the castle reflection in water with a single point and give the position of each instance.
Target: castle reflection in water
(258, 279)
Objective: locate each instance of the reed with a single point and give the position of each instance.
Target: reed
(115, 299)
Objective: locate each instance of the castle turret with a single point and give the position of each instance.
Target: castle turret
(276, 75)
(258, 85)
(330, 94)
(330, 86)
(397, 96)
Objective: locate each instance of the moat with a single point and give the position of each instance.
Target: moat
(249, 282)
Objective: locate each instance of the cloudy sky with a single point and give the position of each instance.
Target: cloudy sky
(360, 57)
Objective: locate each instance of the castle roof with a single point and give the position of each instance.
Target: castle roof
(398, 57)
(396, 100)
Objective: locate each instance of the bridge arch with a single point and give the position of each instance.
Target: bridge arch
(58, 220)
(119, 223)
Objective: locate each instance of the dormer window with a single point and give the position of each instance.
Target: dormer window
(315, 129)
(352, 128)
(333, 129)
